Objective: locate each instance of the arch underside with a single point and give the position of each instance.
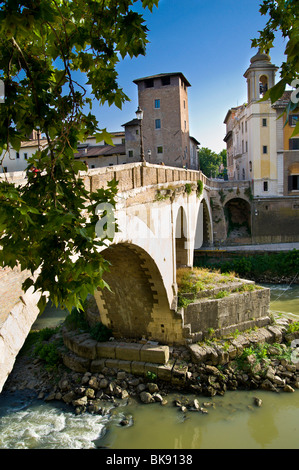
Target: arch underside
(137, 305)
(238, 218)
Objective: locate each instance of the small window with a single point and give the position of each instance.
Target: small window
(264, 122)
(157, 123)
(293, 144)
(17, 154)
(92, 166)
(265, 185)
(157, 104)
(5, 169)
(265, 149)
(149, 83)
(137, 131)
(294, 183)
(165, 81)
(123, 141)
(26, 156)
(131, 153)
(293, 119)
(160, 149)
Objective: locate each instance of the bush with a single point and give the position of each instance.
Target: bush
(276, 264)
(100, 332)
(199, 188)
(48, 353)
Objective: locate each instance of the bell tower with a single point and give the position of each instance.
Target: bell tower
(261, 124)
(260, 76)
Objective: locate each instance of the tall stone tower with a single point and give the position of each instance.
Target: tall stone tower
(261, 127)
(163, 99)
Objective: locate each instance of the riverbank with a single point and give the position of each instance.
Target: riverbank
(276, 267)
(252, 361)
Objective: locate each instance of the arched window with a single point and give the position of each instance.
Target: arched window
(263, 84)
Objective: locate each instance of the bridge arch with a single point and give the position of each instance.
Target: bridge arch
(137, 305)
(237, 213)
(204, 227)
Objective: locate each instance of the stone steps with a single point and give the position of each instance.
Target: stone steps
(85, 354)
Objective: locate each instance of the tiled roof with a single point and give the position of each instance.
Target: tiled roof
(101, 151)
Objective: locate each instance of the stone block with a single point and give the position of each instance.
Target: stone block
(112, 363)
(97, 365)
(150, 367)
(164, 372)
(128, 351)
(106, 349)
(86, 348)
(276, 334)
(75, 363)
(137, 368)
(125, 365)
(154, 353)
(179, 372)
(198, 353)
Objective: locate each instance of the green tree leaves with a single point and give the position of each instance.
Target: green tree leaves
(51, 53)
(209, 161)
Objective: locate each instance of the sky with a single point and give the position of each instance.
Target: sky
(210, 43)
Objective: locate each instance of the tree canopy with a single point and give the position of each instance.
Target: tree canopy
(210, 162)
(48, 225)
(283, 16)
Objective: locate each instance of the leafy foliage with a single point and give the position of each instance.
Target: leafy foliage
(283, 16)
(278, 264)
(52, 53)
(210, 162)
(100, 332)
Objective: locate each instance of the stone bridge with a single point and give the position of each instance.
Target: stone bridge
(163, 214)
(162, 217)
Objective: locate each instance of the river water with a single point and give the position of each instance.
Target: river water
(233, 422)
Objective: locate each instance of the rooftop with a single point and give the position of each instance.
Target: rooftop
(161, 75)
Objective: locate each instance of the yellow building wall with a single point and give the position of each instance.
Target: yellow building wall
(287, 134)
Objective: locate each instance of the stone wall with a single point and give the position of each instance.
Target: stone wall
(237, 311)
(275, 220)
(19, 312)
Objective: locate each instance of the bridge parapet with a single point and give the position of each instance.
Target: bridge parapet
(134, 175)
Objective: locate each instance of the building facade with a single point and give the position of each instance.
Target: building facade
(262, 150)
(165, 136)
(163, 133)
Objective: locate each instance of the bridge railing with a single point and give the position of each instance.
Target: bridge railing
(135, 175)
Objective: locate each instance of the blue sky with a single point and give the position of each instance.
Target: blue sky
(210, 43)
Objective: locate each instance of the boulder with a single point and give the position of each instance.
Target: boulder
(146, 397)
